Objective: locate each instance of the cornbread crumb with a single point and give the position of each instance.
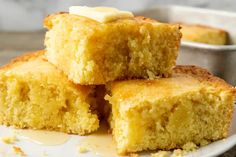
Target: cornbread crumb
(9, 139)
(174, 153)
(18, 151)
(190, 146)
(82, 149)
(161, 154)
(178, 153)
(204, 142)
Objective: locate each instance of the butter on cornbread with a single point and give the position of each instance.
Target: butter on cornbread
(100, 14)
(204, 34)
(93, 51)
(34, 94)
(166, 113)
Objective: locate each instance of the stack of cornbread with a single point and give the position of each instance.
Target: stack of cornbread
(103, 62)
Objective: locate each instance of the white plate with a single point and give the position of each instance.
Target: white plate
(70, 148)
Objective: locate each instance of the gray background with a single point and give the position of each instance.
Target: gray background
(25, 15)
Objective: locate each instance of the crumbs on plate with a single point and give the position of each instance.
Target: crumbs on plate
(18, 151)
(9, 139)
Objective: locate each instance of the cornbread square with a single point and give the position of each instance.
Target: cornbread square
(204, 34)
(90, 52)
(36, 95)
(166, 113)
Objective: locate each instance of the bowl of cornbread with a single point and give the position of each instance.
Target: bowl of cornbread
(102, 64)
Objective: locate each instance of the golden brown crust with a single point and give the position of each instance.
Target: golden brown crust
(203, 26)
(204, 75)
(32, 56)
(191, 69)
(23, 58)
(48, 19)
(145, 19)
(204, 34)
(149, 20)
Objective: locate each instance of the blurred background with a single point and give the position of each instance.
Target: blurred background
(27, 15)
(21, 21)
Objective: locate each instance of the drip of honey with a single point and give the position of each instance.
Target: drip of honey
(100, 143)
(43, 137)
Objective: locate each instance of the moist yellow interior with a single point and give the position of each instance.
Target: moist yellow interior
(36, 95)
(95, 53)
(167, 113)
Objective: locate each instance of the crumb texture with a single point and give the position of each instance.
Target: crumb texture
(36, 95)
(188, 109)
(90, 52)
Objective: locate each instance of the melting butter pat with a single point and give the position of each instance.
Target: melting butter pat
(100, 14)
